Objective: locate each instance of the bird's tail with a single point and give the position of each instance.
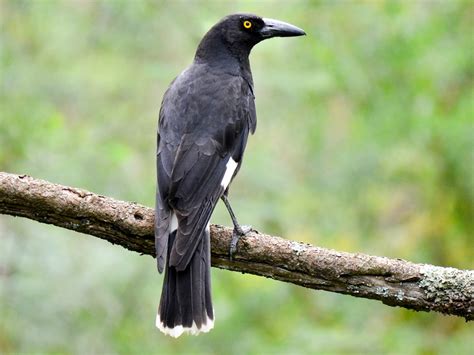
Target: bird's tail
(186, 305)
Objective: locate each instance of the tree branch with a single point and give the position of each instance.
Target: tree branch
(395, 282)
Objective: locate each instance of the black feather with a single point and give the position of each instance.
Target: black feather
(186, 295)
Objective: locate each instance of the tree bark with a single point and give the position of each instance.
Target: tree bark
(395, 282)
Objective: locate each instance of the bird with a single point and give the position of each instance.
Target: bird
(206, 116)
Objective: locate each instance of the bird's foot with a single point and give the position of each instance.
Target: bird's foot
(239, 231)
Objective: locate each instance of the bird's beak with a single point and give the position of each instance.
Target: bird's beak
(275, 28)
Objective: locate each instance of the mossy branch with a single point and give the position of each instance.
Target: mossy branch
(395, 282)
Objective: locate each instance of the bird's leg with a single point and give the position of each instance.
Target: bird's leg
(239, 230)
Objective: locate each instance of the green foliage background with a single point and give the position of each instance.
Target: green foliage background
(365, 143)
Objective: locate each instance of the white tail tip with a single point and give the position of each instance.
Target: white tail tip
(179, 329)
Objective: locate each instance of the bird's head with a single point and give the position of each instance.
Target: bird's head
(251, 29)
(240, 32)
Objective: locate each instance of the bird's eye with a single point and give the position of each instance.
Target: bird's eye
(247, 24)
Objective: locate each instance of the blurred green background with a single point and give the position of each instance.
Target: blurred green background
(364, 143)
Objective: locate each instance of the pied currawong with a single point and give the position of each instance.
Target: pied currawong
(205, 118)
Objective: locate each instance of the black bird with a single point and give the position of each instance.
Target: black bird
(205, 118)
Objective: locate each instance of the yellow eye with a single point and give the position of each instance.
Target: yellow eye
(247, 24)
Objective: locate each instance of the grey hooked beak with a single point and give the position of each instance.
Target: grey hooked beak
(275, 28)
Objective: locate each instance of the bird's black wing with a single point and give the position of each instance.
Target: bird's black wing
(204, 121)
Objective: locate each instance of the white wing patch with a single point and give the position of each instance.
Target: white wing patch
(229, 172)
(174, 222)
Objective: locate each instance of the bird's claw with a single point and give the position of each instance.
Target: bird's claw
(239, 231)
